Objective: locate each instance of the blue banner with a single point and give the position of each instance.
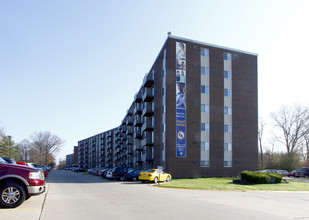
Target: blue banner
(181, 149)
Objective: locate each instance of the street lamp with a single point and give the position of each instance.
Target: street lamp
(10, 137)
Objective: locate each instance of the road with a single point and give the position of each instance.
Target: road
(81, 196)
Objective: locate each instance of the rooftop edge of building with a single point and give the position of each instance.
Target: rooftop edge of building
(211, 45)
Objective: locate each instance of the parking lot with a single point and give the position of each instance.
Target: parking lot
(72, 195)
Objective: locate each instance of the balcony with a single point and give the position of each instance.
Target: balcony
(129, 130)
(137, 121)
(129, 120)
(123, 138)
(130, 151)
(138, 97)
(117, 131)
(138, 133)
(109, 140)
(109, 146)
(139, 158)
(148, 124)
(148, 79)
(123, 128)
(149, 154)
(129, 141)
(147, 139)
(138, 109)
(138, 146)
(148, 110)
(148, 95)
(109, 133)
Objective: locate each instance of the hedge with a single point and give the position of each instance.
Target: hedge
(257, 177)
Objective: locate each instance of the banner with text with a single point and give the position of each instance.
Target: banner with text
(181, 150)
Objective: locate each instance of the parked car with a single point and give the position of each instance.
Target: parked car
(292, 173)
(152, 175)
(302, 172)
(109, 174)
(119, 171)
(18, 183)
(104, 172)
(44, 168)
(131, 175)
(282, 172)
(9, 160)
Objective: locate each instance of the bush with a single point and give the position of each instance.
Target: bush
(261, 177)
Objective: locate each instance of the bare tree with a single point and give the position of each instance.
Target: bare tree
(24, 146)
(293, 122)
(260, 136)
(46, 144)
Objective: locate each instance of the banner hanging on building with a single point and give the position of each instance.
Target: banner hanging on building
(181, 150)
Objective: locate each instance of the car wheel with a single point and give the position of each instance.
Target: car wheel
(122, 178)
(305, 175)
(12, 194)
(156, 180)
(168, 179)
(143, 181)
(134, 178)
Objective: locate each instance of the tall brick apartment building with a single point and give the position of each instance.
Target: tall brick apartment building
(196, 114)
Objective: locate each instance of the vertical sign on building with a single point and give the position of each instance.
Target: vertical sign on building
(181, 150)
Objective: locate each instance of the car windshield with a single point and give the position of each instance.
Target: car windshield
(302, 169)
(2, 161)
(149, 171)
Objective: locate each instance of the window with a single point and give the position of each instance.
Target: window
(227, 74)
(227, 56)
(205, 70)
(204, 146)
(204, 52)
(227, 110)
(227, 147)
(205, 89)
(204, 163)
(228, 128)
(227, 163)
(204, 108)
(227, 92)
(204, 127)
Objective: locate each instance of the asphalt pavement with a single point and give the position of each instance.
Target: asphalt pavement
(82, 196)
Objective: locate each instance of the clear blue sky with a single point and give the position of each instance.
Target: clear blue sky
(73, 67)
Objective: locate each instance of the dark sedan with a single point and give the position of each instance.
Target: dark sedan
(131, 175)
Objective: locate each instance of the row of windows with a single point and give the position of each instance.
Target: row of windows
(205, 146)
(205, 163)
(205, 127)
(205, 90)
(205, 108)
(205, 71)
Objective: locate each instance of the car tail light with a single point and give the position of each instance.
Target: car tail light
(149, 174)
(115, 174)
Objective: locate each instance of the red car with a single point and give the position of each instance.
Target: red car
(18, 183)
(292, 173)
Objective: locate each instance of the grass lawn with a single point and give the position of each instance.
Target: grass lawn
(227, 184)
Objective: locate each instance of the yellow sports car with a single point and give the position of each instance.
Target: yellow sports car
(152, 175)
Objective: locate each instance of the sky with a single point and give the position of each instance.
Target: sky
(73, 67)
